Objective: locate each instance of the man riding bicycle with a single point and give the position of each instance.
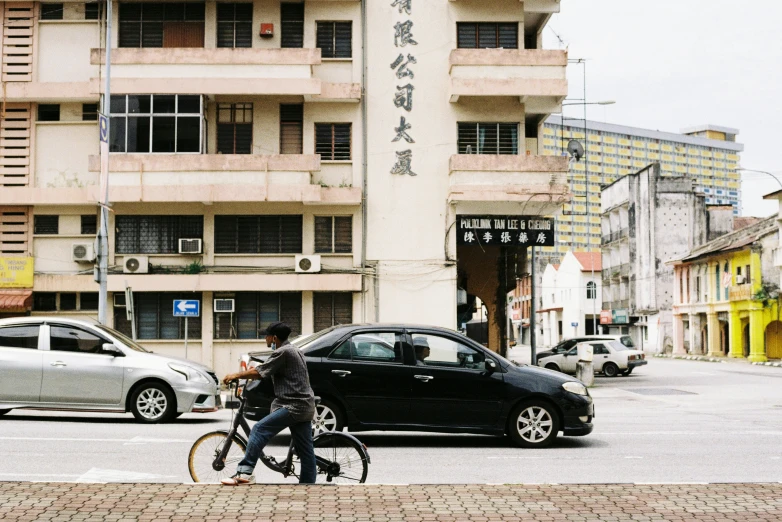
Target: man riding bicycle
(293, 406)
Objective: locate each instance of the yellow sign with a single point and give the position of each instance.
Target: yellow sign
(16, 272)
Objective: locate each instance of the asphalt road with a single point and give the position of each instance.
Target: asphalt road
(671, 421)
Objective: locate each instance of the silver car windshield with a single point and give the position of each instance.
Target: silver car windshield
(127, 341)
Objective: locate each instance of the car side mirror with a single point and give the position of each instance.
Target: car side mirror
(112, 350)
(490, 366)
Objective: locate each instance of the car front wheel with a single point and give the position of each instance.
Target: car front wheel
(152, 403)
(328, 417)
(552, 366)
(610, 370)
(533, 424)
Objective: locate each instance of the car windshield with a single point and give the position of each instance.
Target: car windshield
(125, 340)
(303, 341)
(619, 347)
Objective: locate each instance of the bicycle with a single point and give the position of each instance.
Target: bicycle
(339, 457)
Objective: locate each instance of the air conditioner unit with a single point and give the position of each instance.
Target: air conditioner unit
(119, 300)
(224, 305)
(190, 246)
(739, 279)
(135, 265)
(83, 252)
(308, 264)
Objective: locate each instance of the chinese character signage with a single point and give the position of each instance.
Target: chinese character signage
(520, 231)
(403, 78)
(16, 272)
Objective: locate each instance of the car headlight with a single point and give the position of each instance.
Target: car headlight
(575, 387)
(190, 373)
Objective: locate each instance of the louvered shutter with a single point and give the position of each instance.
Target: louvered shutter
(343, 308)
(225, 25)
(290, 234)
(322, 311)
(487, 36)
(244, 25)
(325, 39)
(292, 25)
(508, 36)
(226, 234)
(343, 234)
(343, 39)
(323, 234)
(290, 311)
(244, 138)
(323, 141)
(291, 129)
(342, 141)
(466, 35)
(248, 234)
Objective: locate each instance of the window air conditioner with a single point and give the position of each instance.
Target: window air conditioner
(308, 264)
(135, 265)
(739, 279)
(83, 252)
(224, 305)
(190, 246)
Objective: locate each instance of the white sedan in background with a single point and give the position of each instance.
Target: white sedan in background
(609, 358)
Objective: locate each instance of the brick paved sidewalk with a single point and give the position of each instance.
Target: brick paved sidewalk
(72, 501)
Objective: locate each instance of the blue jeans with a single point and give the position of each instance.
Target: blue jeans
(268, 427)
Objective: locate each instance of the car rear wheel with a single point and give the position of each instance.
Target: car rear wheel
(328, 417)
(3, 412)
(152, 403)
(552, 366)
(533, 424)
(610, 369)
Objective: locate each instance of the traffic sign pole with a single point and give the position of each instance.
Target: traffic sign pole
(185, 337)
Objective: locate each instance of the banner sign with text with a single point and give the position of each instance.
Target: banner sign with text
(520, 231)
(16, 272)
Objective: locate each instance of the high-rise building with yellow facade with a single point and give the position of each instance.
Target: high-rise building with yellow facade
(707, 153)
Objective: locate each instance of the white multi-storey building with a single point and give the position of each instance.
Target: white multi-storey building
(303, 161)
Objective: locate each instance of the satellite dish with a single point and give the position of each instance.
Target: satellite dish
(575, 149)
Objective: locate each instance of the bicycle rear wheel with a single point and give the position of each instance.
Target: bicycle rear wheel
(340, 459)
(203, 453)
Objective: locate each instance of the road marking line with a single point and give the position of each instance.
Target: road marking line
(134, 440)
(632, 457)
(627, 433)
(37, 475)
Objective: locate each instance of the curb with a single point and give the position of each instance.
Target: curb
(691, 358)
(775, 364)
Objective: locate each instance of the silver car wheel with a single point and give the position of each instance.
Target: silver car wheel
(151, 403)
(534, 424)
(325, 420)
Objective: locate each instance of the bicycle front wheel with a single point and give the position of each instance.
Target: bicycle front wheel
(340, 459)
(205, 451)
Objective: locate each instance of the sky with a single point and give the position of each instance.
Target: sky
(672, 64)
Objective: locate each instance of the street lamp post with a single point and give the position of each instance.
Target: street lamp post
(762, 172)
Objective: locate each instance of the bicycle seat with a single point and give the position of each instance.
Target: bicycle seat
(317, 400)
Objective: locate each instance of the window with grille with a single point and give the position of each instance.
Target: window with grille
(332, 308)
(89, 224)
(472, 35)
(333, 234)
(51, 11)
(258, 234)
(291, 129)
(89, 112)
(234, 25)
(156, 24)
(254, 311)
(155, 234)
(488, 138)
(332, 141)
(44, 301)
(234, 128)
(292, 29)
(68, 301)
(335, 39)
(46, 225)
(93, 11)
(48, 112)
(153, 313)
(88, 301)
(591, 290)
(165, 123)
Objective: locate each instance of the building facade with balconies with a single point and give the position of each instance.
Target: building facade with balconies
(245, 136)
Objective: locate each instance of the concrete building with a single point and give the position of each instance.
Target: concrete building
(726, 296)
(708, 154)
(303, 161)
(572, 298)
(647, 220)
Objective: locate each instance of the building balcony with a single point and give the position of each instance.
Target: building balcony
(248, 71)
(536, 77)
(205, 178)
(540, 182)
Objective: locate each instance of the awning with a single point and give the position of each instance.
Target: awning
(16, 300)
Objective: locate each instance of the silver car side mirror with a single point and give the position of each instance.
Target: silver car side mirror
(110, 349)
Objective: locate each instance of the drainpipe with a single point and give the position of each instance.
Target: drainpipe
(364, 149)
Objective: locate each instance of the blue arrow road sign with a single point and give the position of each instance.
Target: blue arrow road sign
(187, 308)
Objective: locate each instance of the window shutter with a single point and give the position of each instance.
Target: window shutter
(323, 141)
(51, 11)
(343, 234)
(249, 232)
(290, 311)
(292, 26)
(46, 224)
(291, 129)
(487, 36)
(466, 35)
(244, 25)
(323, 234)
(343, 39)
(290, 234)
(225, 138)
(225, 25)
(226, 233)
(322, 311)
(325, 39)
(343, 308)
(508, 36)
(244, 138)
(247, 315)
(269, 235)
(468, 138)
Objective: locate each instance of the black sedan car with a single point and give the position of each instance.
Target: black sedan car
(424, 378)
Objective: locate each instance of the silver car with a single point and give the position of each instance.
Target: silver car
(67, 364)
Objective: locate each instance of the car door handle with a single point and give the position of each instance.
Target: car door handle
(58, 363)
(425, 378)
(341, 373)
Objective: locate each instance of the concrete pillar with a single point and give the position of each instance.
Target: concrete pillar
(678, 334)
(207, 330)
(694, 338)
(714, 334)
(757, 337)
(308, 313)
(734, 336)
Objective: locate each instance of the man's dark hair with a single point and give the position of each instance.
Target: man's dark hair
(280, 330)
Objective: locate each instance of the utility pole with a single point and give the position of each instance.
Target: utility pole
(533, 348)
(105, 129)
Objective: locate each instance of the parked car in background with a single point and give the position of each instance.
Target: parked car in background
(609, 357)
(369, 378)
(566, 344)
(50, 363)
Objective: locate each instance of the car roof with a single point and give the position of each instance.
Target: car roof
(42, 319)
